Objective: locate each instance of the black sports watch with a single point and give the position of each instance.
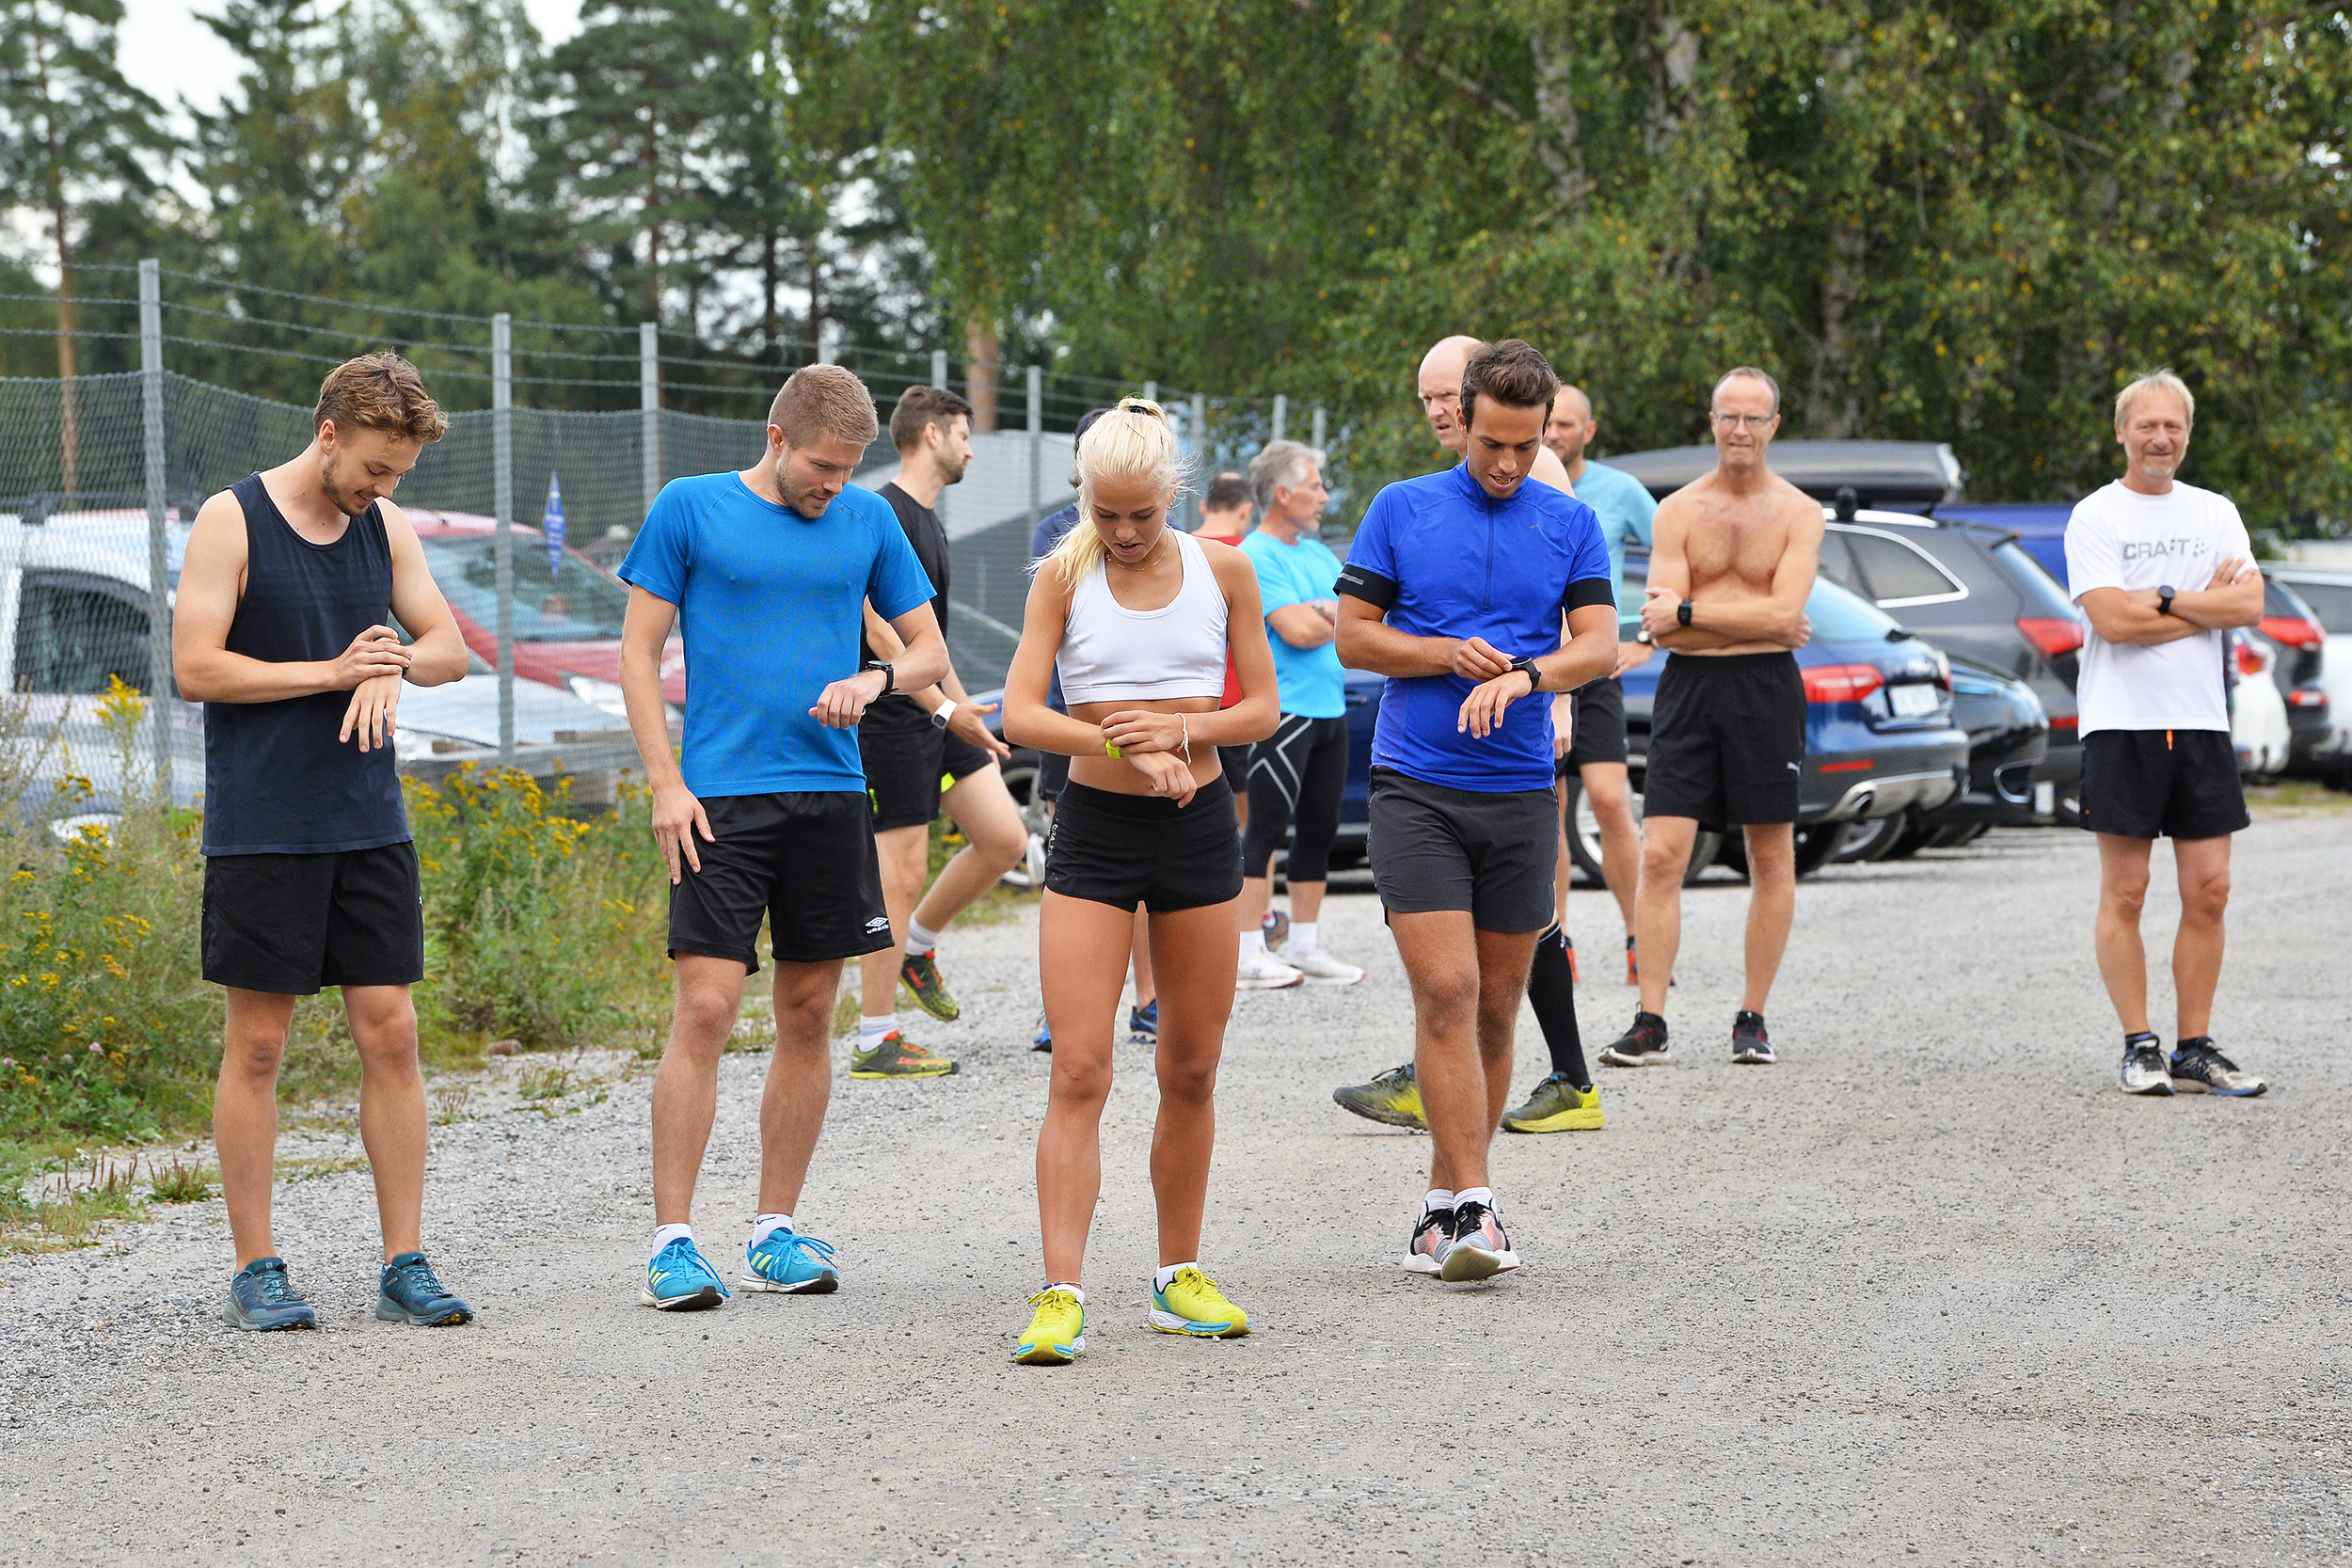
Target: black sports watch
(1534, 677)
(2164, 599)
(890, 677)
(1682, 612)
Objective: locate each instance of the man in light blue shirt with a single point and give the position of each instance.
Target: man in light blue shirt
(1594, 716)
(1300, 772)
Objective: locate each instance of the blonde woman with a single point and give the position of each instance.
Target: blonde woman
(1137, 616)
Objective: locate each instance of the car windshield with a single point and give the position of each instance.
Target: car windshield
(2042, 595)
(582, 604)
(1836, 612)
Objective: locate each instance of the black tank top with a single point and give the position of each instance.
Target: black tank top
(277, 781)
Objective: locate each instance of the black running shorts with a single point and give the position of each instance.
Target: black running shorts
(290, 924)
(910, 764)
(2162, 784)
(802, 860)
(1597, 734)
(1439, 848)
(1130, 850)
(1726, 740)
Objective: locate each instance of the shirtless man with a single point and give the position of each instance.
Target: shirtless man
(1731, 565)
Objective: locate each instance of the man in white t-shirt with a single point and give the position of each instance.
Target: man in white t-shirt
(2162, 569)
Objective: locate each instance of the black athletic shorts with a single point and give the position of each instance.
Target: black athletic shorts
(291, 923)
(1130, 850)
(2162, 784)
(1236, 762)
(1598, 725)
(1439, 848)
(1726, 740)
(805, 860)
(910, 766)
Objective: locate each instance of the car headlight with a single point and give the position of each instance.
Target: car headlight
(599, 694)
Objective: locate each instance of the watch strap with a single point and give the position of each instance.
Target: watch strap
(1682, 613)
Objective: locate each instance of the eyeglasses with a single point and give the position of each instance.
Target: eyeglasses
(1735, 422)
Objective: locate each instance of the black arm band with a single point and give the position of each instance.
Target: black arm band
(1371, 587)
(1585, 593)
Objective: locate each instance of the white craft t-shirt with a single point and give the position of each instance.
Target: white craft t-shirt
(2119, 538)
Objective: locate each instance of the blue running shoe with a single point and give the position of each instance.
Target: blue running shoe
(1143, 1024)
(411, 1293)
(1043, 1039)
(792, 1263)
(260, 1297)
(678, 1280)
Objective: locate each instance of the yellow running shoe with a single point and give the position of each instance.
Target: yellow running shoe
(1193, 1305)
(1057, 1334)
(1558, 1106)
(1393, 1098)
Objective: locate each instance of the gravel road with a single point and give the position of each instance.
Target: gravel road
(1928, 1291)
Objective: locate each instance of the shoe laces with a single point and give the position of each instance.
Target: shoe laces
(417, 1275)
(683, 1253)
(1193, 1276)
(2201, 1054)
(821, 1251)
(1396, 1076)
(273, 1289)
(1055, 1295)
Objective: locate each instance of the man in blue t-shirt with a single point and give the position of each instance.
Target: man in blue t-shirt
(1595, 715)
(1454, 590)
(765, 815)
(1298, 772)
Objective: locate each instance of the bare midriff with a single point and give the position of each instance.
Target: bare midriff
(1097, 772)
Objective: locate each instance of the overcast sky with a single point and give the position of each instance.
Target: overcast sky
(166, 51)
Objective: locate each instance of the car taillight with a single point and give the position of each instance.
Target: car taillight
(2249, 659)
(2052, 634)
(2293, 630)
(1842, 683)
(2066, 721)
(2307, 696)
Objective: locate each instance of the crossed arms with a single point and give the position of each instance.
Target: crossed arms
(2232, 598)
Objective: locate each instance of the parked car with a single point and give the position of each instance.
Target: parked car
(2259, 730)
(567, 624)
(1880, 736)
(2040, 526)
(2327, 594)
(2008, 735)
(2301, 641)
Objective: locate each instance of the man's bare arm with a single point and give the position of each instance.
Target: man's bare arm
(1301, 626)
(1778, 616)
(890, 648)
(1369, 643)
(436, 650)
(2232, 598)
(212, 579)
(1669, 583)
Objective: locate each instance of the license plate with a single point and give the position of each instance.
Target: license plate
(1910, 702)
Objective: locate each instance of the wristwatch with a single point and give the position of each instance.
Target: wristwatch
(2164, 599)
(890, 677)
(1534, 677)
(941, 714)
(1682, 612)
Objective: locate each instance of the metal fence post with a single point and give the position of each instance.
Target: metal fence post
(159, 695)
(1281, 415)
(1151, 391)
(939, 368)
(1200, 456)
(649, 397)
(1318, 428)
(502, 503)
(1037, 435)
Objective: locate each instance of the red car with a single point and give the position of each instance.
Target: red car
(567, 625)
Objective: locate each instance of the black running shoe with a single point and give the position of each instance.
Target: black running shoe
(2197, 1068)
(1644, 1045)
(1750, 1045)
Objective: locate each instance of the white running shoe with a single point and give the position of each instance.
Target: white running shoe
(1322, 969)
(1263, 970)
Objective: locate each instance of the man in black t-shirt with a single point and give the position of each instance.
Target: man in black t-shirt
(923, 751)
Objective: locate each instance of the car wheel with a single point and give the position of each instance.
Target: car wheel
(1870, 841)
(1956, 833)
(1815, 842)
(1021, 770)
(1584, 832)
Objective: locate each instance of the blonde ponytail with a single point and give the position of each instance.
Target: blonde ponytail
(1131, 442)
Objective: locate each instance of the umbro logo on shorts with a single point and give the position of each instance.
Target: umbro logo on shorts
(880, 923)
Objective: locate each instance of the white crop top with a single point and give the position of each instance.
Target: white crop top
(1111, 653)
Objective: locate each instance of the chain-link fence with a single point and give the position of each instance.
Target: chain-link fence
(101, 475)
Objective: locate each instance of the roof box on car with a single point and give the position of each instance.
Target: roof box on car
(1880, 473)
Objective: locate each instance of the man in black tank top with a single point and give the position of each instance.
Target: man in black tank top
(282, 631)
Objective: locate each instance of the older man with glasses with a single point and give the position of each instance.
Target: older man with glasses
(1732, 560)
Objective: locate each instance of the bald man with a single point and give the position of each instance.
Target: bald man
(1567, 1101)
(1594, 716)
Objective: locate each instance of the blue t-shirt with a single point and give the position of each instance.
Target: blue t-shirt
(1441, 558)
(770, 603)
(1625, 508)
(1310, 680)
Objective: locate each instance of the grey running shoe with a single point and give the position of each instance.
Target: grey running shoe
(2143, 1067)
(1750, 1045)
(410, 1292)
(260, 1297)
(1480, 1249)
(2199, 1068)
(1644, 1045)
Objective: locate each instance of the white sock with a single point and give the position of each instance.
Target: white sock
(664, 1234)
(1058, 1285)
(1476, 1194)
(871, 1030)
(1302, 938)
(1251, 943)
(1161, 1279)
(920, 942)
(767, 1224)
(1439, 1199)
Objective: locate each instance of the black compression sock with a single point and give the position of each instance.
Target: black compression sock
(1552, 991)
